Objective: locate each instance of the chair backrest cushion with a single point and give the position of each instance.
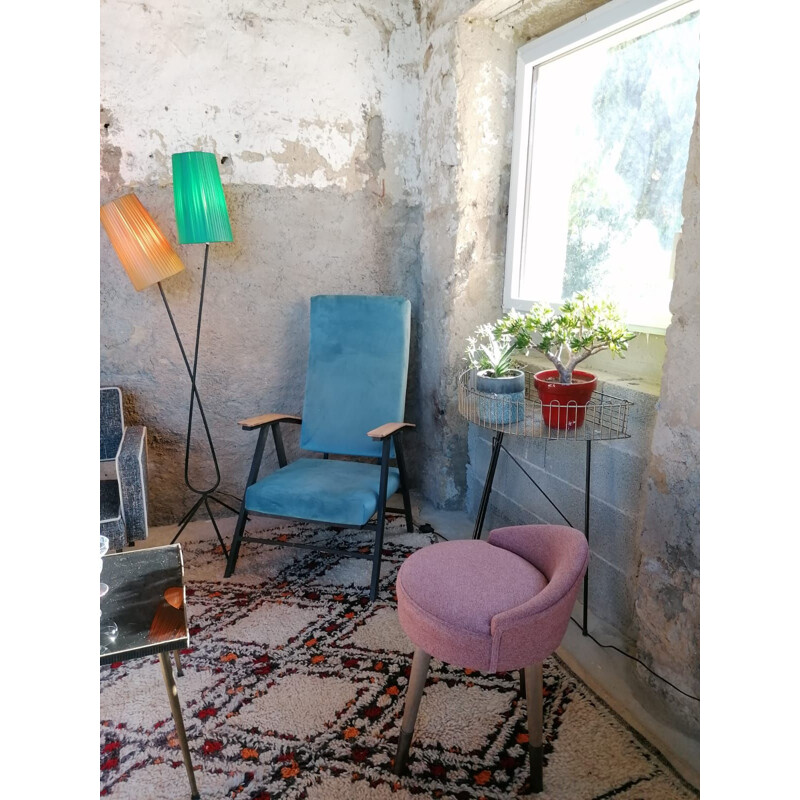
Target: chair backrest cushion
(112, 425)
(357, 371)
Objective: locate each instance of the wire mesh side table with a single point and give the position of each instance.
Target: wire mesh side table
(606, 419)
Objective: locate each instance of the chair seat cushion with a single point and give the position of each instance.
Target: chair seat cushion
(323, 490)
(448, 594)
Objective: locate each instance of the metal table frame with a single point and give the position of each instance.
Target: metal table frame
(606, 419)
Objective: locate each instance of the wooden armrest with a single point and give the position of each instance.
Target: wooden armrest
(388, 429)
(267, 419)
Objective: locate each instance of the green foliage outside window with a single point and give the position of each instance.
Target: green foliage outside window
(643, 111)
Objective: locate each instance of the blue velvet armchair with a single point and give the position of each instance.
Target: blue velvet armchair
(123, 473)
(353, 407)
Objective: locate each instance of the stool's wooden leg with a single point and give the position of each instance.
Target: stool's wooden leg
(178, 667)
(416, 685)
(533, 690)
(522, 683)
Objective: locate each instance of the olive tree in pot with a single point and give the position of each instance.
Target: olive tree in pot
(581, 327)
(501, 386)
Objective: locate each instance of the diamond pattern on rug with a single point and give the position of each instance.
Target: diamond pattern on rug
(581, 732)
(344, 788)
(294, 686)
(275, 627)
(321, 699)
(147, 686)
(382, 631)
(349, 572)
(457, 716)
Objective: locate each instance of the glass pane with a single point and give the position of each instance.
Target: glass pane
(609, 149)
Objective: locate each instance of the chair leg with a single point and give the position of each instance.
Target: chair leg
(381, 523)
(376, 559)
(533, 689)
(238, 533)
(522, 691)
(178, 667)
(416, 685)
(401, 466)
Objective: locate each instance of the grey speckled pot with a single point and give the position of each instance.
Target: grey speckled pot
(505, 397)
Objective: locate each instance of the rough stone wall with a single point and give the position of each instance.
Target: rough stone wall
(293, 94)
(439, 158)
(466, 130)
(668, 589)
(311, 109)
(464, 187)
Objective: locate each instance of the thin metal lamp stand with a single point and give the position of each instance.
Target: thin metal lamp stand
(148, 258)
(205, 494)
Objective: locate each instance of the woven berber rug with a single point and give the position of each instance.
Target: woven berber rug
(293, 688)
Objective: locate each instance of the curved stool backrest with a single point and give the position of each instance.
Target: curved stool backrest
(532, 631)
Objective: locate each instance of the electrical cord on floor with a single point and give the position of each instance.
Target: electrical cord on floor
(614, 647)
(426, 528)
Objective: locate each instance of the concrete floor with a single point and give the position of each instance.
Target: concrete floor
(607, 672)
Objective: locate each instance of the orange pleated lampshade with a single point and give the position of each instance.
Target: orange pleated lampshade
(143, 250)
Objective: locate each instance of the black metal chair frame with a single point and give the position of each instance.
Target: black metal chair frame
(393, 436)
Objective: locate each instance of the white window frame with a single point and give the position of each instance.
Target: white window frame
(600, 23)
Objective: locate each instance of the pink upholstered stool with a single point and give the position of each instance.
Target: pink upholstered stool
(493, 606)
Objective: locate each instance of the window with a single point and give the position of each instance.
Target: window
(603, 117)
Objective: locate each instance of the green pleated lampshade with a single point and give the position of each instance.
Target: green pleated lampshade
(200, 208)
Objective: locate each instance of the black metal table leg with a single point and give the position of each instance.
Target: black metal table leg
(497, 442)
(586, 532)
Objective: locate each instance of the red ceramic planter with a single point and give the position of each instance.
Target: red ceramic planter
(564, 406)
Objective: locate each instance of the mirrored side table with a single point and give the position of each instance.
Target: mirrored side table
(147, 600)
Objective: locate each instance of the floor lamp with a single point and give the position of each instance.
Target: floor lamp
(148, 258)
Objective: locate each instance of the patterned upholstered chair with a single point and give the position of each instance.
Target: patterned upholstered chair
(354, 406)
(123, 473)
(492, 606)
